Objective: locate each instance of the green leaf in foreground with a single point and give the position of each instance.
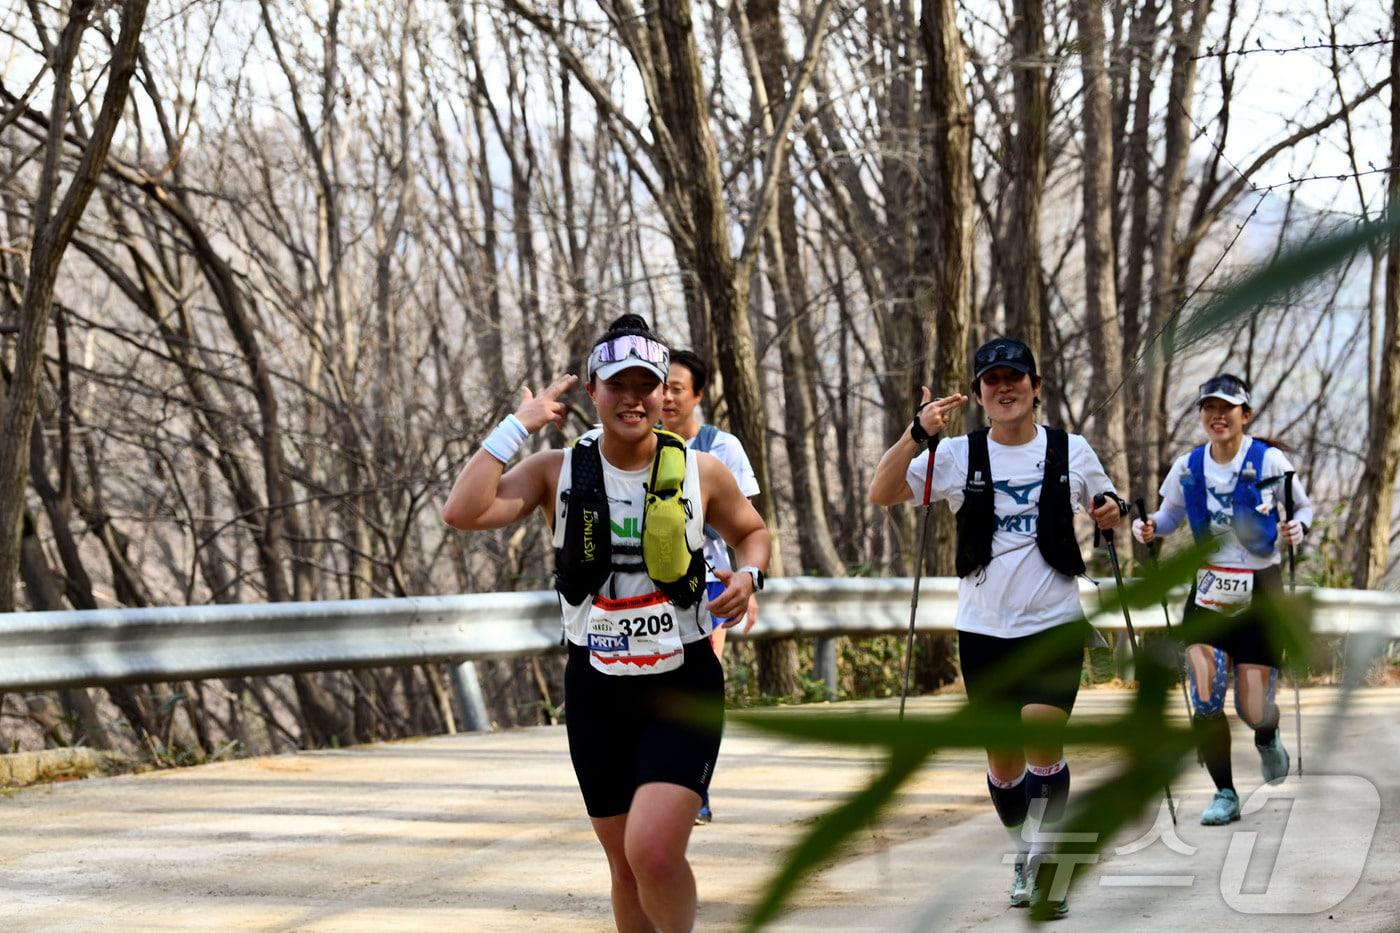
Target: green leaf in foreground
(1290, 271)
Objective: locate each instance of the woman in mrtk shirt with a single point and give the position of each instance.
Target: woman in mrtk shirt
(1228, 491)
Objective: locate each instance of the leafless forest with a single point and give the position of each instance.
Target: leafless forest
(271, 270)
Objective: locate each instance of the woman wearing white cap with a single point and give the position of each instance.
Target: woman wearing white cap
(1229, 491)
(644, 693)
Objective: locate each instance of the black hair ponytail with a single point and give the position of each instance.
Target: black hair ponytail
(625, 325)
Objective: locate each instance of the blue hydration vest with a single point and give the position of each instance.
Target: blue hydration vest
(704, 441)
(1257, 531)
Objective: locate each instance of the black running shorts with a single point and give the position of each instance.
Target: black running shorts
(628, 731)
(1243, 640)
(1041, 668)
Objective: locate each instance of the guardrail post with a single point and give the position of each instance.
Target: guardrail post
(467, 698)
(826, 665)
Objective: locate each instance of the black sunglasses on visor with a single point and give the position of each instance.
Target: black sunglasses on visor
(989, 355)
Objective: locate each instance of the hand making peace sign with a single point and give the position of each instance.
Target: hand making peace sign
(536, 411)
(933, 413)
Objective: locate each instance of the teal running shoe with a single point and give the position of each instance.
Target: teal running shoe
(1273, 760)
(1020, 884)
(1047, 910)
(1225, 808)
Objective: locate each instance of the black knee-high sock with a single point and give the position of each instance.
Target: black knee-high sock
(1050, 784)
(1009, 798)
(1213, 739)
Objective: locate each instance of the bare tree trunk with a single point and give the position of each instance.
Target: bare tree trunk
(42, 586)
(725, 280)
(947, 219)
(1101, 293)
(54, 228)
(1376, 494)
(1143, 42)
(726, 286)
(1186, 38)
(767, 57)
(1021, 271)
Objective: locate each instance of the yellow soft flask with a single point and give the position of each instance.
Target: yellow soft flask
(664, 548)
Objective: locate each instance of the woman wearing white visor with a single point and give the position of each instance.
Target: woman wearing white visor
(1229, 491)
(644, 693)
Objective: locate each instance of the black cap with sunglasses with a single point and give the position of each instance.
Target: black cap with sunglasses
(1003, 351)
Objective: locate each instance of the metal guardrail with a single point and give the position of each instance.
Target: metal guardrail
(45, 650)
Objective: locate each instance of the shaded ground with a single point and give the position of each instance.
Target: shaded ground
(488, 833)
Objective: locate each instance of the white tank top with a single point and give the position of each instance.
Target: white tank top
(626, 490)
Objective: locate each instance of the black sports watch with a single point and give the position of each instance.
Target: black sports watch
(756, 574)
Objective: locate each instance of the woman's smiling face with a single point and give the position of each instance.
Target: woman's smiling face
(628, 402)
(1223, 421)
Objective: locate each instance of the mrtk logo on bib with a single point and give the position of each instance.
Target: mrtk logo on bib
(607, 643)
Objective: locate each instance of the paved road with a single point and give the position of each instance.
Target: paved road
(487, 833)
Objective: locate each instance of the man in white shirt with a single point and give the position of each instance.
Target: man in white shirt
(1014, 488)
(680, 414)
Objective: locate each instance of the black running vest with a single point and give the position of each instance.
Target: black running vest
(588, 555)
(977, 518)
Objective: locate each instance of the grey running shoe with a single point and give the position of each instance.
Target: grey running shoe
(1223, 809)
(1273, 760)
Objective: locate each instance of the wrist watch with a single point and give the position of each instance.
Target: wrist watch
(757, 575)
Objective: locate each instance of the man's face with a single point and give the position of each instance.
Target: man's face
(679, 397)
(1006, 394)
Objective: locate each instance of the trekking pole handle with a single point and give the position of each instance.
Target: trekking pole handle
(1100, 533)
(1099, 499)
(1288, 496)
(1141, 505)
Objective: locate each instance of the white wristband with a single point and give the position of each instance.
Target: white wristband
(504, 441)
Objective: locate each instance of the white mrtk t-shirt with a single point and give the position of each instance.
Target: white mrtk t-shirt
(1017, 593)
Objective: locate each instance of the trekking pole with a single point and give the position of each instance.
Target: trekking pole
(1166, 613)
(1107, 535)
(1292, 589)
(918, 574)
